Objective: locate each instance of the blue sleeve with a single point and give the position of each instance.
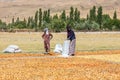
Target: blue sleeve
(71, 36)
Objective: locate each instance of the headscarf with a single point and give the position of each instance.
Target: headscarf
(46, 31)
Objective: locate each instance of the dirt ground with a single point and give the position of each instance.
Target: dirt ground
(24, 66)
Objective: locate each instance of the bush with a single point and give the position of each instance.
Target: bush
(58, 25)
(95, 26)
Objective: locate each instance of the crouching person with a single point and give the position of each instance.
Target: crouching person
(47, 36)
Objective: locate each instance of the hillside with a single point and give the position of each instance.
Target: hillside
(25, 8)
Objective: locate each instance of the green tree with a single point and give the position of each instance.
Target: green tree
(99, 16)
(3, 26)
(55, 16)
(58, 25)
(93, 14)
(40, 18)
(48, 16)
(14, 25)
(70, 19)
(45, 16)
(20, 25)
(87, 25)
(115, 15)
(28, 22)
(71, 14)
(91, 17)
(76, 15)
(32, 23)
(112, 24)
(25, 23)
(115, 24)
(90, 26)
(87, 17)
(36, 21)
(105, 21)
(17, 19)
(63, 15)
(13, 20)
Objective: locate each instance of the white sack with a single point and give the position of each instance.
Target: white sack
(66, 48)
(12, 49)
(58, 48)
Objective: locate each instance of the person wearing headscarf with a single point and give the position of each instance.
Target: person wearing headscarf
(71, 36)
(47, 36)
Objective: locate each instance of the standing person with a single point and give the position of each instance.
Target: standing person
(72, 38)
(47, 36)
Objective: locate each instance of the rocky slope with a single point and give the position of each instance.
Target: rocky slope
(25, 8)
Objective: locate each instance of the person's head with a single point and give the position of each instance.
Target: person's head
(46, 30)
(68, 28)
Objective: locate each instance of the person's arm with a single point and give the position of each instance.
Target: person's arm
(43, 36)
(68, 35)
(51, 36)
(71, 35)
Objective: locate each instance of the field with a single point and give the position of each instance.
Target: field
(32, 42)
(97, 57)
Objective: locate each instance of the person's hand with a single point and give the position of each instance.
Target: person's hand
(68, 39)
